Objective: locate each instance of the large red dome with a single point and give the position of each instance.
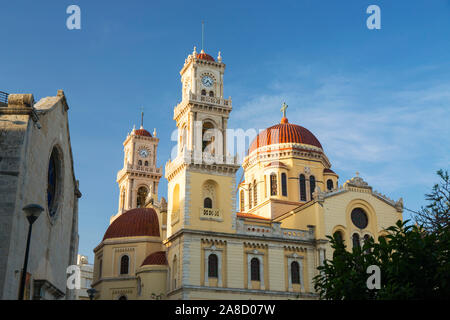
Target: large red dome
(134, 223)
(284, 132)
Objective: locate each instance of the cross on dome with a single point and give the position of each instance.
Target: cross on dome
(283, 109)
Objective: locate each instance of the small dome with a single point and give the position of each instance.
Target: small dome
(284, 132)
(204, 56)
(156, 258)
(142, 132)
(134, 223)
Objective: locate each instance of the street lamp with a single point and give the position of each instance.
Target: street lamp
(91, 292)
(32, 212)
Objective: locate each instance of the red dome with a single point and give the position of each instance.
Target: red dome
(134, 223)
(156, 258)
(284, 132)
(204, 56)
(142, 132)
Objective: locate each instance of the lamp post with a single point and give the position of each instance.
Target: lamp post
(32, 212)
(91, 292)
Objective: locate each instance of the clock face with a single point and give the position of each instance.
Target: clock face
(207, 81)
(143, 153)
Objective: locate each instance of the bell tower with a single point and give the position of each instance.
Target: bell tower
(139, 178)
(201, 176)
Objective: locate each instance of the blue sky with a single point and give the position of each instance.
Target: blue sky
(378, 100)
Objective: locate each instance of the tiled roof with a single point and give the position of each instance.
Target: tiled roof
(133, 223)
(284, 132)
(156, 258)
(250, 215)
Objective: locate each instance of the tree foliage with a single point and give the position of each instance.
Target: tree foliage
(437, 213)
(414, 264)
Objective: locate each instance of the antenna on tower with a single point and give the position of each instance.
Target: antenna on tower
(203, 33)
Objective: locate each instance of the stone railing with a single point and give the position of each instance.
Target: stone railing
(210, 213)
(275, 231)
(211, 100)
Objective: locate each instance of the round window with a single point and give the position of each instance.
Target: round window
(359, 218)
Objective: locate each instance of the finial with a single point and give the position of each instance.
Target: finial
(357, 173)
(134, 128)
(219, 57)
(195, 52)
(283, 109)
(154, 132)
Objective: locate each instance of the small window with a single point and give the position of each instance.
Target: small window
(356, 240)
(100, 267)
(213, 266)
(295, 272)
(207, 203)
(146, 163)
(283, 185)
(302, 182)
(254, 268)
(273, 184)
(124, 263)
(250, 196)
(312, 184)
(203, 92)
(140, 162)
(255, 193)
(330, 184)
(123, 298)
(211, 94)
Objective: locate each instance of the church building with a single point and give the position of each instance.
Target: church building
(218, 238)
(36, 167)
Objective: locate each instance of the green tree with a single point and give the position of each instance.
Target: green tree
(414, 264)
(437, 213)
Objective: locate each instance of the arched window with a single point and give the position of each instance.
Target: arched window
(208, 137)
(203, 92)
(273, 184)
(339, 236)
(295, 272)
(146, 163)
(174, 272)
(302, 187)
(122, 200)
(255, 193)
(211, 94)
(265, 186)
(100, 268)
(283, 184)
(241, 198)
(250, 196)
(140, 162)
(52, 182)
(207, 203)
(141, 196)
(123, 298)
(356, 240)
(312, 184)
(330, 184)
(213, 266)
(366, 238)
(124, 264)
(254, 270)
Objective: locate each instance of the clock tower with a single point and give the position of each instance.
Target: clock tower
(139, 178)
(201, 176)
